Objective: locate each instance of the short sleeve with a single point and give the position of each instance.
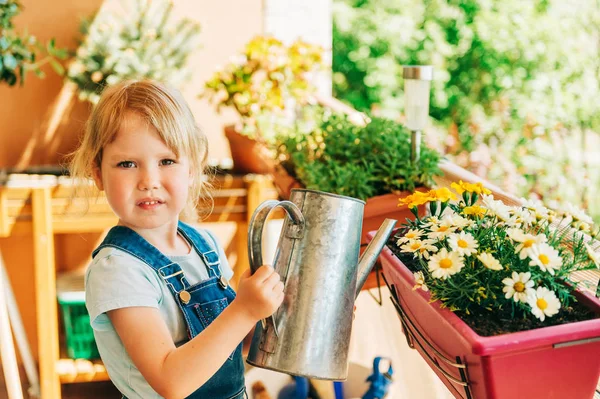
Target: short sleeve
(225, 268)
(117, 280)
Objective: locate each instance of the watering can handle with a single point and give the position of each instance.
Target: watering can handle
(257, 223)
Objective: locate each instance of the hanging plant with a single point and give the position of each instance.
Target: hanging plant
(19, 52)
(140, 44)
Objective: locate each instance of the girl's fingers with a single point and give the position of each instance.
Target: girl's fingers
(263, 273)
(278, 287)
(272, 281)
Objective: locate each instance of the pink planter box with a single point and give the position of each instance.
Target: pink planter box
(559, 362)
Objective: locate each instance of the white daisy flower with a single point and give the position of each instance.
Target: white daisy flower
(497, 208)
(444, 264)
(419, 248)
(427, 248)
(420, 281)
(537, 207)
(545, 257)
(441, 230)
(455, 220)
(431, 221)
(463, 243)
(489, 261)
(577, 214)
(412, 246)
(543, 303)
(518, 287)
(526, 241)
(412, 234)
(522, 216)
(593, 255)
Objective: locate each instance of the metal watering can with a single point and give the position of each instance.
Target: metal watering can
(317, 257)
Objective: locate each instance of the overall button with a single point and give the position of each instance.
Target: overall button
(223, 282)
(185, 297)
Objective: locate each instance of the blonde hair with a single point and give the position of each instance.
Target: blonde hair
(161, 106)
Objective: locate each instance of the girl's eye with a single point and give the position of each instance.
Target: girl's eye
(167, 162)
(126, 164)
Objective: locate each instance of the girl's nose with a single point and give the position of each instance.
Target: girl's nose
(149, 180)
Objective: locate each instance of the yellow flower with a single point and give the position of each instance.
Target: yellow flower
(474, 210)
(479, 189)
(415, 199)
(461, 187)
(442, 194)
(458, 187)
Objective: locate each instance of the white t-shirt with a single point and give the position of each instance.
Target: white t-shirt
(117, 280)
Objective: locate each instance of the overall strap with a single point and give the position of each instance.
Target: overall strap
(207, 252)
(127, 240)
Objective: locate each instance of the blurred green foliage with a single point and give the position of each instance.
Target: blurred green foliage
(515, 90)
(139, 41)
(18, 51)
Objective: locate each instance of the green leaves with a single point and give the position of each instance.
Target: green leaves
(18, 52)
(361, 162)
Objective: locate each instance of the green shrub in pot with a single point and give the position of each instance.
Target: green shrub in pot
(326, 151)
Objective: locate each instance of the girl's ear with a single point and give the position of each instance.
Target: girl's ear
(97, 175)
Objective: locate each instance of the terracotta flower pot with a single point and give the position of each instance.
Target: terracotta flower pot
(249, 155)
(558, 362)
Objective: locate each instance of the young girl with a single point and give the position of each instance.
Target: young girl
(165, 319)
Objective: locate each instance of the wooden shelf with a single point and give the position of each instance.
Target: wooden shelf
(80, 370)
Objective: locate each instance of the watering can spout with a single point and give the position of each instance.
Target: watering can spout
(368, 258)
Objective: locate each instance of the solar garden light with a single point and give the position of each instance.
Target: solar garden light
(417, 84)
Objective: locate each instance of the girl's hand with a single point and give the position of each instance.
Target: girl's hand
(259, 295)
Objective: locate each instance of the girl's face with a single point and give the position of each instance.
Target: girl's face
(145, 183)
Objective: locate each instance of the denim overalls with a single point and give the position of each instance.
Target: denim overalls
(200, 303)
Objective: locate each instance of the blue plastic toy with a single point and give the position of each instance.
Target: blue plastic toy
(380, 382)
(296, 390)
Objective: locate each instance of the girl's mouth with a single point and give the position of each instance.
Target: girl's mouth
(149, 203)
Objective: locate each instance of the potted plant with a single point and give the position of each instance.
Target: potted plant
(264, 85)
(18, 52)
(485, 294)
(328, 151)
(143, 43)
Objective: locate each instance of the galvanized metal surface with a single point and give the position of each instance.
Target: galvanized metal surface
(317, 257)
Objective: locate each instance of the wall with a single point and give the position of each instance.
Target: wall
(41, 122)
